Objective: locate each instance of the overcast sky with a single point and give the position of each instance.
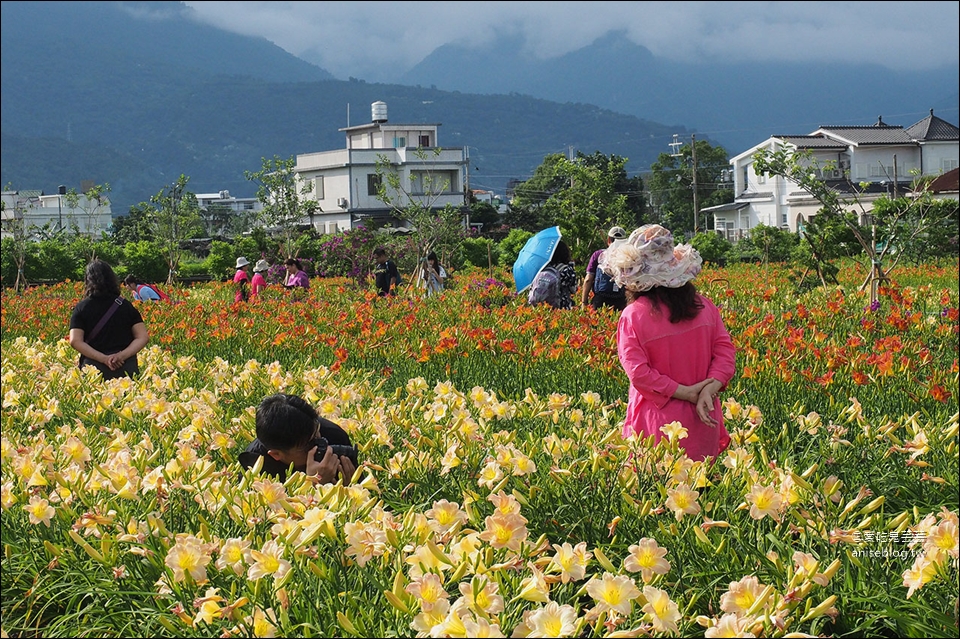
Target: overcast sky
(371, 40)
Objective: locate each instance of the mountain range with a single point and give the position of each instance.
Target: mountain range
(135, 93)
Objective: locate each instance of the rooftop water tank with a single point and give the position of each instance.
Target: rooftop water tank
(379, 111)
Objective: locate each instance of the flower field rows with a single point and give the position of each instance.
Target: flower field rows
(496, 497)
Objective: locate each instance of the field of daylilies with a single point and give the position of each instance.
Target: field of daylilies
(496, 495)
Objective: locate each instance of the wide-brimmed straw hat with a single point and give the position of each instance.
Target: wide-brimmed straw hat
(242, 261)
(649, 258)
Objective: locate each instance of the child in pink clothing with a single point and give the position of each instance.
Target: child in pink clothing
(671, 342)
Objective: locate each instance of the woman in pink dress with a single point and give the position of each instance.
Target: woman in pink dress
(258, 283)
(241, 280)
(671, 342)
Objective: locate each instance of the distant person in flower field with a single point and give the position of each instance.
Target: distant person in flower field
(432, 274)
(606, 292)
(241, 280)
(142, 292)
(290, 431)
(296, 276)
(385, 273)
(105, 327)
(557, 282)
(671, 342)
(258, 283)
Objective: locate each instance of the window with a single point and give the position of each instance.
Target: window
(318, 187)
(432, 182)
(746, 176)
(399, 142)
(373, 184)
(424, 141)
(948, 164)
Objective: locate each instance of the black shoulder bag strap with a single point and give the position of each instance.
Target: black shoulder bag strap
(103, 320)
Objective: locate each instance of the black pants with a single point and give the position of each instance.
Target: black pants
(599, 300)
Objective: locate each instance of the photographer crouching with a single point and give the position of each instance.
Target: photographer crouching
(289, 431)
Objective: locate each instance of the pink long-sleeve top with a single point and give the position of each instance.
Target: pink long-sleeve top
(658, 356)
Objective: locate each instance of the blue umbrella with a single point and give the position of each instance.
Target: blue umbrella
(535, 254)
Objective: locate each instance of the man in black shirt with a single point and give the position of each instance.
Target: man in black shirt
(386, 273)
(287, 432)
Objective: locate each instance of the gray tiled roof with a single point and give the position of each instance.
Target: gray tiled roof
(811, 142)
(874, 134)
(933, 128)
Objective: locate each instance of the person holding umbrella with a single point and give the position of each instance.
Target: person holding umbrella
(556, 283)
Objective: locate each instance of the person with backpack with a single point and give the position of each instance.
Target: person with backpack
(143, 292)
(606, 292)
(385, 273)
(556, 283)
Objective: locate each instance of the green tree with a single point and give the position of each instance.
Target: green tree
(481, 252)
(580, 196)
(511, 245)
(134, 226)
(484, 213)
(635, 200)
(713, 247)
(146, 260)
(899, 219)
(90, 202)
(173, 218)
(670, 186)
(285, 199)
(16, 246)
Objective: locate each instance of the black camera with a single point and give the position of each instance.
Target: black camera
(338, 449)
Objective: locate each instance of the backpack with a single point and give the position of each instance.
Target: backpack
(605, 284)
(163, 296)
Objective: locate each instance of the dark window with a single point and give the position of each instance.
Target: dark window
(373, 184)
(424, 141)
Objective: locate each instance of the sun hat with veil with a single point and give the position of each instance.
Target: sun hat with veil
(649, 258)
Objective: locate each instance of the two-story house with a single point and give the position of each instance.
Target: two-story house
(346, 183)
(34, 210)
(885, 157)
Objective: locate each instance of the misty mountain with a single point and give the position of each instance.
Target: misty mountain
(737, 105)
(96, 91)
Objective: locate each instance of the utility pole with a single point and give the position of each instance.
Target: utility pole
(895, 193)
(61, 191)
(696, 209)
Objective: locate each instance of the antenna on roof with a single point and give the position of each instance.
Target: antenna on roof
(676, 144)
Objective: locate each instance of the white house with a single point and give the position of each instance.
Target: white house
(35, 210)
(886, 157)
(345, 182)
(223, 200)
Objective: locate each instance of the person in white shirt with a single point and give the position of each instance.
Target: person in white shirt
(432, 275)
